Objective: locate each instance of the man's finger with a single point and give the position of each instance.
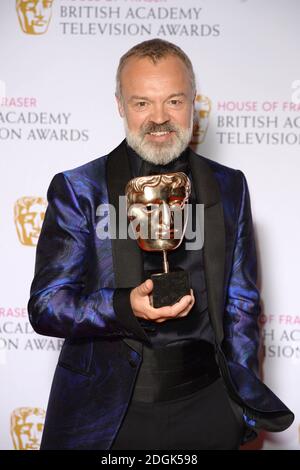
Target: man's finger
(180, 306)
(182, 313)
(171, 310)
(187, 310)
(145, 288)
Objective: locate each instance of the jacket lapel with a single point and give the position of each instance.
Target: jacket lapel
(126, 254)
(127, 257)
(208, 193)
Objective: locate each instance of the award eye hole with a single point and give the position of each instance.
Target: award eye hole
(177, 203)
(28, 218)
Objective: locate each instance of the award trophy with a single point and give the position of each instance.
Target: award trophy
(157, 211)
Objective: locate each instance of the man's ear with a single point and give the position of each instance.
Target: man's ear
(120, 106)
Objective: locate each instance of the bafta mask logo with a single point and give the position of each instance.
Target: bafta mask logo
(155, 208)
(34, 15)
(201, 118)
(29, 213)
(26, 428)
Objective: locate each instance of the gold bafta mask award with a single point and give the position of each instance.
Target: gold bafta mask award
(157, 211)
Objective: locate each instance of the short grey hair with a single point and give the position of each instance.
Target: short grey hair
(155, 50)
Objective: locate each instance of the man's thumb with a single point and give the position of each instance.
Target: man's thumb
(146, 287)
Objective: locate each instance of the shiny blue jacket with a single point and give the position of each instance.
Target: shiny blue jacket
(72, 296)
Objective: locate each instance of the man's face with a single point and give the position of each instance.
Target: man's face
(157, 106)
(34, 15)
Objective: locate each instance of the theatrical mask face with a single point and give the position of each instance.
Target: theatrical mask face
(27, 427)
(156, 208)
(29, 217)
(34, 15)
(201, 118)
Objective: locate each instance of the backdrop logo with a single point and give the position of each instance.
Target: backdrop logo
(26, 428)
(29, 213)
(34, 15)
(202, 110)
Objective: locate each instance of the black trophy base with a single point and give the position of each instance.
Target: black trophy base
(169, 288)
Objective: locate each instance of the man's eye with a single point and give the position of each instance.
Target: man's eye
(141, 104)
(175, 102)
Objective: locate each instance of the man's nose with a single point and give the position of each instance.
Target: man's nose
(159, 114)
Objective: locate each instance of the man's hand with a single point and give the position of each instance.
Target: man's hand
(140, 304)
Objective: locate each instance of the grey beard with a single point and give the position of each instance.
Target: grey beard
(161, 153)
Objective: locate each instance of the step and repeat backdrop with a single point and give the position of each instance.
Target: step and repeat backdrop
(58, 111)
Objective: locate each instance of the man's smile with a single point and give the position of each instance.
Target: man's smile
(162, 136)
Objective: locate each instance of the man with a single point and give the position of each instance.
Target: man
(131, 376)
